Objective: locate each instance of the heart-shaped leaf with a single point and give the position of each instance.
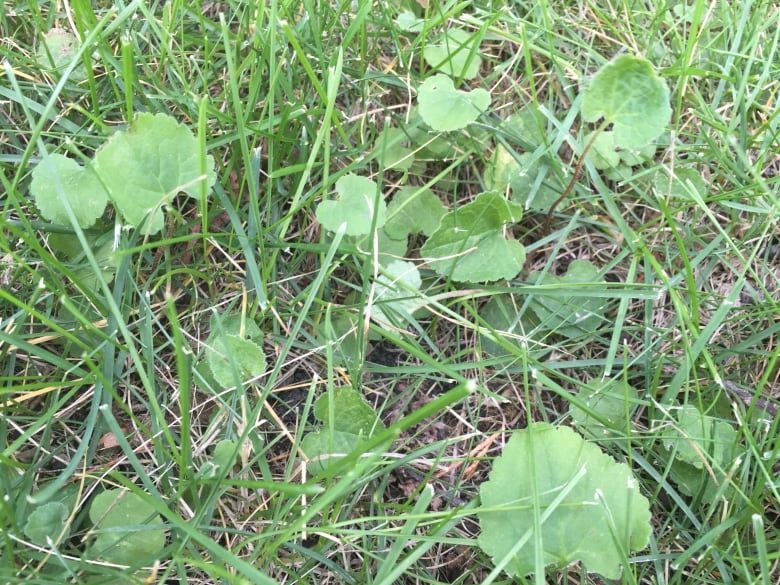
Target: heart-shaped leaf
(628, 94)
(453, 53)
(60, 177)
(358, 203)
(46, 523)
(445, 108)
(470, 245)
(413, 210)
(234, 347)
(129, 530)
(589, 507)
(572, 316)
(147, 166)
(347, 422)
(396, 293)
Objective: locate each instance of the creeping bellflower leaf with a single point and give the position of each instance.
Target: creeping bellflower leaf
(347, 422)
(129, 530)
(357, 205)
(451, 53)
(470, 245)
(145, 167)
(590, 507)
(57, 49)
(572, 316)
(46, 523)
(413, 210)
(60, 177)
(628, 94)
(396, 293)
(704, 449)
(611, 401)
(445, 108)
(235, 345)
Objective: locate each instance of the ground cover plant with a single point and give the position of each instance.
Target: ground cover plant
(389, 292)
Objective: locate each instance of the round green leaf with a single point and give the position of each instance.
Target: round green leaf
(46, 523)
(572, 316)
(589, 507)
(60, 177)
(413, 210)
(356, 205)
(396, 293)
(129, 530)
(147, 166)
(452, 53)
(445, 108)
(230, 353)
(628, 94)
(469, 244)
(56, 51)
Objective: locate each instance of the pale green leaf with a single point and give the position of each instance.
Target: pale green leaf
(391, 152)
(57, 177)
(445, 108)
(47, 523)
(572, 316)
(347, 422)
(57, 49)
(396, 293)
(413, 210)
(590, 506)
(234, 346)
(628, 94)
(699, 439)
(528, 178)
(406, 21)
(145, 167)
(603, 154)
(685, 183)
(611, 401)
(470, 244)
(451, 53)
(359, 204)
(128, 529)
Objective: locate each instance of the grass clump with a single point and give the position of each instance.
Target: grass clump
(315, 292)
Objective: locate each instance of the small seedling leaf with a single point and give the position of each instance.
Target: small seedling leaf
(700, 439)
(513, 326)
(529, 179)
(445, 108)
(56, 51)
(470, 246)
(413, 210)
(145, 167)
(406, 21)
(611, 401)
(357, 204)
(60, 176)
(47, 523)
(129, 530)
(234, 346)
(569, 315)
(685, 184)
(347, 422)
(392, 153)
(396, 294)
(628, 94)
(452, 53)
(590, 506)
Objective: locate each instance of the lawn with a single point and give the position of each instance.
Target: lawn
(414, 292)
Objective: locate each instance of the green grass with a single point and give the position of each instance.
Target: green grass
(102, 382)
